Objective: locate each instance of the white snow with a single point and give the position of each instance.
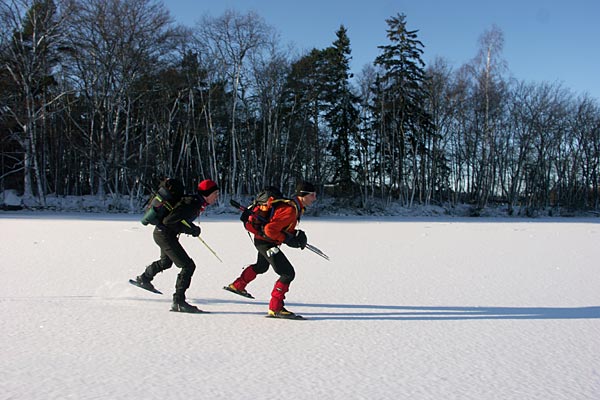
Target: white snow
(407, 308)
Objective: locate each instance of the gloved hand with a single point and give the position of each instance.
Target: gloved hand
(195, 230)
(245, 215)
(297, 240)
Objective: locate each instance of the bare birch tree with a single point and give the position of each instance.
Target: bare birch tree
(30, 57)
(229, 40)
(116, 42)
(487, 68)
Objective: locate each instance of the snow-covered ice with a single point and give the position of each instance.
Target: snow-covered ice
(407, 308)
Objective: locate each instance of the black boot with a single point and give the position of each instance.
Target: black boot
(145, 283)
(180, 305)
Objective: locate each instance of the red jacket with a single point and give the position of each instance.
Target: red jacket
(284, 220)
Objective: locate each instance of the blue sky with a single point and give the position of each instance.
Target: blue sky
(544, 40)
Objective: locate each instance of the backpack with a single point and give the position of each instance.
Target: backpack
(170, 191)
(262, 208)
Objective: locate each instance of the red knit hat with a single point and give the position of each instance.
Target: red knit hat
(206, 187)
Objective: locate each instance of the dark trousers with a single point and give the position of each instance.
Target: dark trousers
(171, 252)
(281, 265)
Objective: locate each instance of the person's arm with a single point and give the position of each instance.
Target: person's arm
(284, 219)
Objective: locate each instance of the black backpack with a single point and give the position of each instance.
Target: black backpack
(170, 191)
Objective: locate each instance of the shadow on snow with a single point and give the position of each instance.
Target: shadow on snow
(426, 313)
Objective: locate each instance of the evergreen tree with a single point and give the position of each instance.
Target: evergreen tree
(342, 110)
(401, 100)
(304, 106)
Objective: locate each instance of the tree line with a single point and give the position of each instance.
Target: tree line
(103, 97)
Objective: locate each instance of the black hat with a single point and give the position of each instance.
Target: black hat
(303, 188)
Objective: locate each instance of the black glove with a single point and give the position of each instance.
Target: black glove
(195, 230)
(245, 215)
(297, 240)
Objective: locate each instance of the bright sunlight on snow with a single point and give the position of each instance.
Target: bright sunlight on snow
(407, 308)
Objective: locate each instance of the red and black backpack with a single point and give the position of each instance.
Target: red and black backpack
(261, 210)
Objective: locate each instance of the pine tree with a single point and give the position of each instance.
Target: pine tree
(304, 107)
(341, 110)
(401, 99)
